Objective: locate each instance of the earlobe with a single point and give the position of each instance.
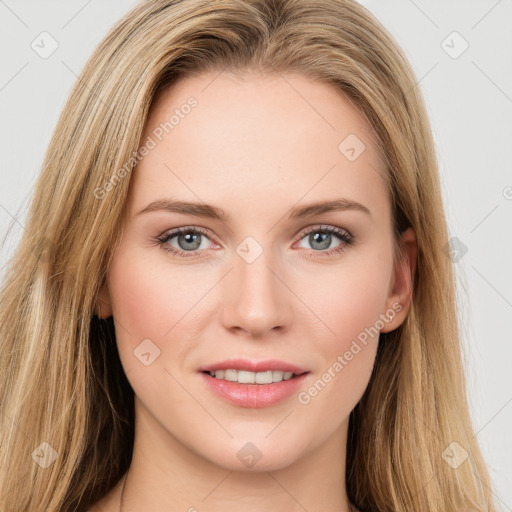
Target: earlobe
(402, 286)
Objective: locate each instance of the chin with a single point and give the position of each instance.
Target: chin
(255, 454)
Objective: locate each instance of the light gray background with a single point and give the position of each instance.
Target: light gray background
(469, 97)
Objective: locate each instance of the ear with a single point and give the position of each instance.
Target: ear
(103, 304)
(402, 282)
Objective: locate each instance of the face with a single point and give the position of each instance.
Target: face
(274, 278)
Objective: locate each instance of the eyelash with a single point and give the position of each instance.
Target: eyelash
(345, 237)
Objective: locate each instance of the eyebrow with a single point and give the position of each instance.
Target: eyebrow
(215, 212)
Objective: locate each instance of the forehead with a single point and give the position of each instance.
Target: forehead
(257, 138)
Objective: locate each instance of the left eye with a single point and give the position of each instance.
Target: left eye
(322, 238)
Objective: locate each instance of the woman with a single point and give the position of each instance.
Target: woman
(232, 290)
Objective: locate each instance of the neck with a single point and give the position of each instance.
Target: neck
(165, 474)
(352, 508)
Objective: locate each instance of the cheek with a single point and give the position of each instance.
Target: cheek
(136, 300)
(349, 299)
(147, 301)
(349, 303)
(153, 301)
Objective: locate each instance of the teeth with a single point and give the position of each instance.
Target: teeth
(245, 377)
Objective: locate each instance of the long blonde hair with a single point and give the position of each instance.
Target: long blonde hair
(67, 418)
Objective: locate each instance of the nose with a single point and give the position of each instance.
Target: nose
(255, 297)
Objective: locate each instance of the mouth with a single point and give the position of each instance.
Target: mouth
(248, 377)
(247, 369)
(242, 388)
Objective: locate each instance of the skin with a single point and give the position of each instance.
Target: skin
(255, 145)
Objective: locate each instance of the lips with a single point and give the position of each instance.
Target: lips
(254, 395)
(254, 366)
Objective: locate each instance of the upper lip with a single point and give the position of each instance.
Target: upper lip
(253, 366)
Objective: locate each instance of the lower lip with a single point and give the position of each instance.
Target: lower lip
(254, 395)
